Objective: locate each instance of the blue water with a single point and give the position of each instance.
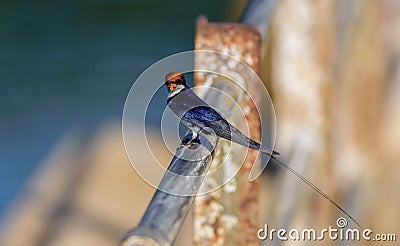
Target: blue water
(70, 65)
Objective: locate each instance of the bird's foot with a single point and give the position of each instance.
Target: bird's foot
(188, 141)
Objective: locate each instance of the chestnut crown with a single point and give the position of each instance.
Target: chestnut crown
(174, 79)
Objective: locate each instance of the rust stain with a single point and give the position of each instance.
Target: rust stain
(222, 218)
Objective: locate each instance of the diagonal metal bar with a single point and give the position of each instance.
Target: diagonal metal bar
(165, 214)
(258, 13)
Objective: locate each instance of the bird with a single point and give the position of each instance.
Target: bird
(198, 116)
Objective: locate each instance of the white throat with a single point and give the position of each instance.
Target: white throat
(177, 90)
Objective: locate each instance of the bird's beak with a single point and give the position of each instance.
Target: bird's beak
(171, 87)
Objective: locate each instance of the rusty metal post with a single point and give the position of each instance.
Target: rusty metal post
(229, 216)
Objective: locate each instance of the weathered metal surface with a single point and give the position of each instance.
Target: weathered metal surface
(229, 216)
(258, 13)
(165, 214)
(365, 159)
(302, 54)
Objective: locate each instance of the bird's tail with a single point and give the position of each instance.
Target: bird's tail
(268, 151)
(315, 188)
(257, 169)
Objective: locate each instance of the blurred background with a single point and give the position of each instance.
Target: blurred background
(66, 68)
(332, 69)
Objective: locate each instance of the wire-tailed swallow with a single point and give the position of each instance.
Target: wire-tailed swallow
(198, 116)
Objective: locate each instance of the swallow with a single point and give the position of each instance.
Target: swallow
(198, 116)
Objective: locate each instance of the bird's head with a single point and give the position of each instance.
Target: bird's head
(174, 80)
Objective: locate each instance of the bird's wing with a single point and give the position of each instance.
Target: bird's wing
(206, 117)
(203, 116)
(194, 110)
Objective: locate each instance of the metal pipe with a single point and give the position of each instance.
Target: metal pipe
(258, 13)
(166, 212)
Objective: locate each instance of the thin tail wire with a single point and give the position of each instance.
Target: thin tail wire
(316, 189)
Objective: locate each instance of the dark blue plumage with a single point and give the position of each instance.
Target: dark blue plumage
(198, 115)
